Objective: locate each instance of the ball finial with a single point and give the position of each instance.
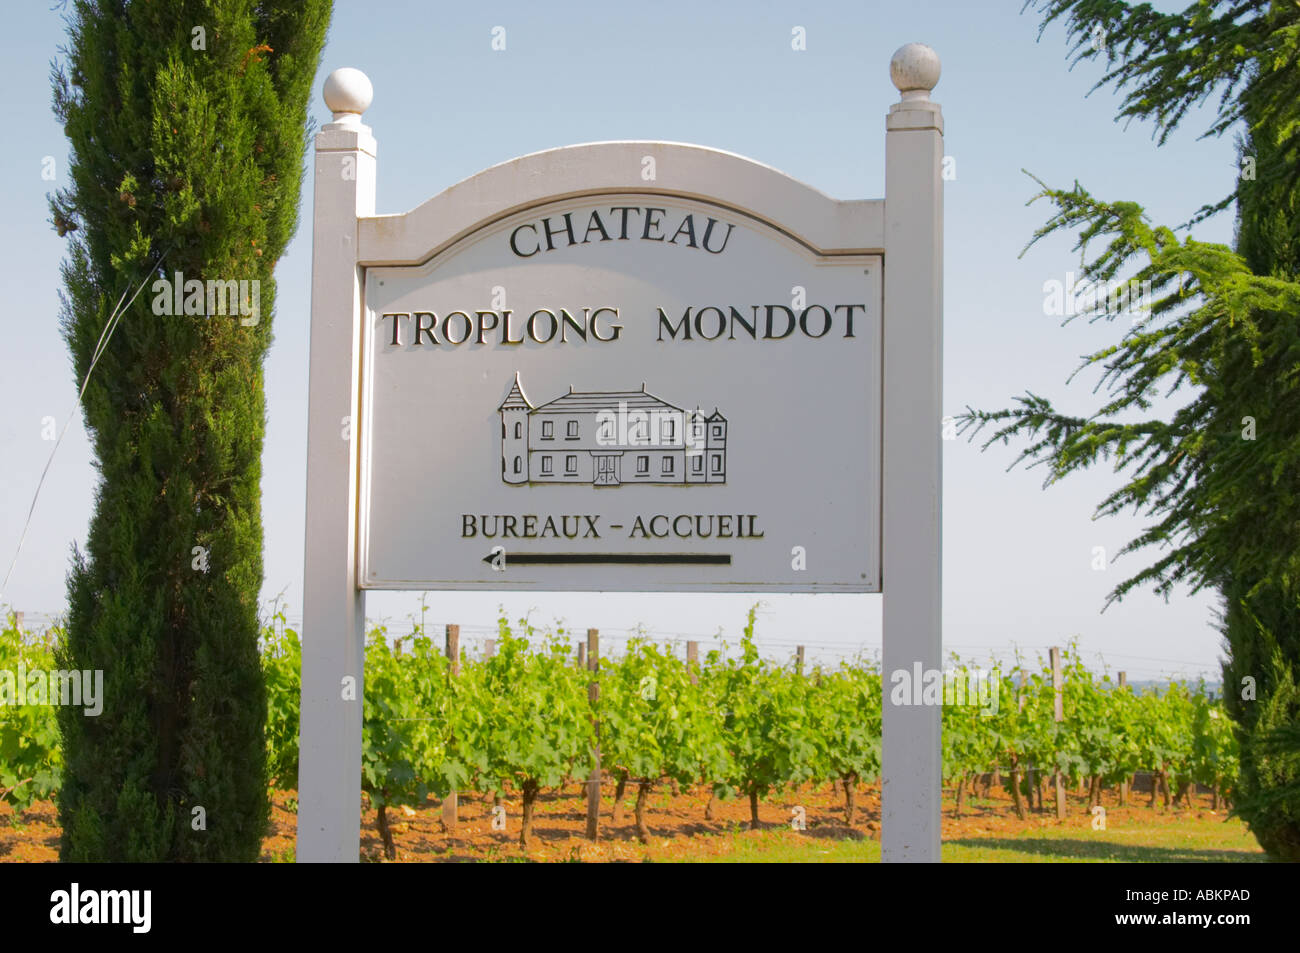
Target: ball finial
(348, 94)
(915, 70)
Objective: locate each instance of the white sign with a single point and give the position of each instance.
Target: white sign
(629, 392)
(564, 374)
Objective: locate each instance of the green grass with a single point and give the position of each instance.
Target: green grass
(1189, 840)
(1200, 843)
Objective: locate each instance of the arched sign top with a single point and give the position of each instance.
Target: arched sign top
(824, 225)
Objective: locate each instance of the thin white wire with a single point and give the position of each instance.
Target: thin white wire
(102, 345)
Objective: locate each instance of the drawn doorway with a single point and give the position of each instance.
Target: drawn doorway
(607, 469)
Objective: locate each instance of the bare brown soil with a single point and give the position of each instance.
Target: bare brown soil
(677, 825)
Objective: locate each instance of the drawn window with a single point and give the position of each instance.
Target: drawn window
(519, 465)
(572, 432)
(548, 429)
(642, 466)
(717, 463)
(668, 430)
(571, 464)
(519, 431)
(697, 464)
(668, 466)
(717, 431)
(605, 434)
(546, 466)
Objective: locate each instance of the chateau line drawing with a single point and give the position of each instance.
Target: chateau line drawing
(609, 438)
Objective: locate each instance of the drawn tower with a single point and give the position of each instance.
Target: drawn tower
(514, 410)
(716, 443)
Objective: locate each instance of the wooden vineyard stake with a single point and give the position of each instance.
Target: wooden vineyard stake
(1059, 715)
(450, 814)
(1123, 784)
(593, 696)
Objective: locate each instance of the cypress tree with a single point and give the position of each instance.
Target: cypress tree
(187, 124)
(1261, 617)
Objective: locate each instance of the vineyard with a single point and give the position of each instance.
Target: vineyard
(525, 716)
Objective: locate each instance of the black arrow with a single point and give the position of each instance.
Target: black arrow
(641, 559)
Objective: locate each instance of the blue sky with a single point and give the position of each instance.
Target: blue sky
(1017, 559)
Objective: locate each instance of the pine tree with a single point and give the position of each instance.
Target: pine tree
(1223, 473)
(187, 124)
